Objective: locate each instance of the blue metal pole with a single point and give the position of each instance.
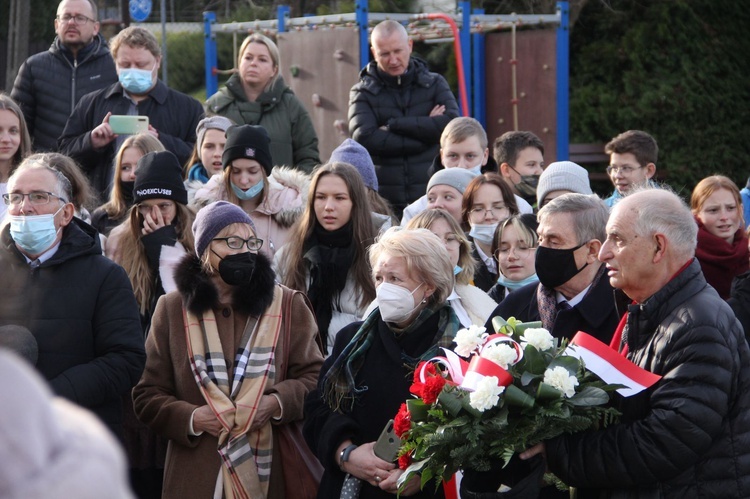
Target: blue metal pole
(563, 82)
(361, 11)
(464, 9)
(478, 75)
(282, 13)
(211, 56)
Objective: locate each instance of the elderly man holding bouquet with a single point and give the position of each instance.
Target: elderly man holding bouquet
(689, 434)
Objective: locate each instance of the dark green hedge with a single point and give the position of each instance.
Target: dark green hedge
(676, 69)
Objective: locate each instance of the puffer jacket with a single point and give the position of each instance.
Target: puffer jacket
(689, 434)
(50, 84)
(81, 309)
(294, 142)
(404, 152)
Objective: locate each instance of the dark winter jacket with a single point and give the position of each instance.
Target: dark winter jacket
(689, 434)
(174, 115)
(597, 314)
(739, 300)
(50, 84)
(293, 139)
(81, 309)
(404, 152)
(387, 379)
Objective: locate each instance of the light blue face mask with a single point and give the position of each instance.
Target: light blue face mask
(476, 170)
(250, 193)
(513, 284)
(457, 270)
(136, 81)
(34, 234)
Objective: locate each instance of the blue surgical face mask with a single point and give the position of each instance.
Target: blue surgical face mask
(457, 270)
(34, 234)
(483, 233)
(476, 170)
(513, 285)
(136, 81)
(250, 193)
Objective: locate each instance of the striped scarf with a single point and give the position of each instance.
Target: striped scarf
(245, 457)
(339, 386)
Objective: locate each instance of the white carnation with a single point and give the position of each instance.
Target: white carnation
(501, 354)
(469, 339)
(560, 378)
(486, 395)
(539, 338)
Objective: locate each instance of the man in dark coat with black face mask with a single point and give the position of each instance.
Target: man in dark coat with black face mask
(573, 293)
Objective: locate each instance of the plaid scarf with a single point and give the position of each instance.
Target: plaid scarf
(339, 386)
(245, 457)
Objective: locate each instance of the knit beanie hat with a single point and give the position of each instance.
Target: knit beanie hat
(563, 175)
(352, 152)
(250, 142)
(212, 219)
(458, 178)
(210, 123)
(159, 176)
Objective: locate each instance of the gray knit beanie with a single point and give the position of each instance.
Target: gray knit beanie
(352, 152)
(210, 123)
(458, 178)
(563, 175)
(212, 219)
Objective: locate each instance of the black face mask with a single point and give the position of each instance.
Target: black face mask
(238, 269)
(555, 267)
(127, 192)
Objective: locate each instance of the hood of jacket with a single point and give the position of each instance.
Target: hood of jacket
(374, 80)
(233, 91)
(200, 294)
(97, 48)
(285, 200)
(78, 239)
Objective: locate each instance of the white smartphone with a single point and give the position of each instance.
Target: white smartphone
(128, 125)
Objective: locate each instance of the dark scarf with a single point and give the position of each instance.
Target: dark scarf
(721, 261)
(339, 385)
(329, 256)
(546, 300)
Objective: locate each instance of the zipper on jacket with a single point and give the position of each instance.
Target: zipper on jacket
(73, 85)
(399, 80)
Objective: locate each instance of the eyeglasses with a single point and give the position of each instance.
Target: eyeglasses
(521, 252)
(235, 242)
(625, 170)
(35, 198)
(480, 212)
(77, 19)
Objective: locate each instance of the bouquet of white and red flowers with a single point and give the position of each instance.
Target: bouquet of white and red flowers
(493, 396)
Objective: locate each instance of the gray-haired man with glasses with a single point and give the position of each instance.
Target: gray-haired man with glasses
(78, 304)
(50, 84)
(632, 162)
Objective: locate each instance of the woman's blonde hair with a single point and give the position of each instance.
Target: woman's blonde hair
(425, 219)
(708, 186)
(425, 256)
(363, 233)
(273, 50)
(116, 207)
(525, 234)
(134, 259)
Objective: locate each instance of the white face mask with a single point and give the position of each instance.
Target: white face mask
(396, 303)
(476, 170)
(483, 233)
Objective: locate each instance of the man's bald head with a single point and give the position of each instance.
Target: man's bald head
(391, 47)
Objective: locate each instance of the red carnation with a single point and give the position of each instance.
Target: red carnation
(417, 387)
(404, 460)
(432, 388)
(402, 421)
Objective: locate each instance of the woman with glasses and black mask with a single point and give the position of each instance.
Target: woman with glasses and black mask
(224, 417)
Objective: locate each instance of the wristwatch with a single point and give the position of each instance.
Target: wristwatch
(344, 456)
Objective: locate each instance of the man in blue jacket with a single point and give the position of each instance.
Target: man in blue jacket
(50, 83)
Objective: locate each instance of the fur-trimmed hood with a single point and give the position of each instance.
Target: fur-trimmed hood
(285, 200)
(200, 294)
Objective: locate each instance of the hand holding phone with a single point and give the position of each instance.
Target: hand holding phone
(388, 443)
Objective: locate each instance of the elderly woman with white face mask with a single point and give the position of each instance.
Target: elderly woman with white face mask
(363, 383)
